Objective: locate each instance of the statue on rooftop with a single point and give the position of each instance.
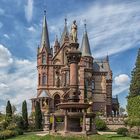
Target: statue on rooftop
(74, 32)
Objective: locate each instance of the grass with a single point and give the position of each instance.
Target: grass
(92, 137)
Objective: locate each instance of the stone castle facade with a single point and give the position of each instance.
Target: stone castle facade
(94, 76)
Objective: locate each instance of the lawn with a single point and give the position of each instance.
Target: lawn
(48, 137)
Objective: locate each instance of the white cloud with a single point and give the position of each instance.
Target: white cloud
(122, 79)
(5, 56)
(32, 29)
(29, 10)
(6, 36)
(121, 84)
(22, 62)
(20, 82)
(112, 28)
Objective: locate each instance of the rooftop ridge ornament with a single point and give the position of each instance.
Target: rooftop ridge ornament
(85, 26)
(65, 21)
(44, 12)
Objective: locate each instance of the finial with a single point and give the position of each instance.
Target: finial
(56, 38)
(44, 12)
(107, 57)
(85, 25)
(65, 21)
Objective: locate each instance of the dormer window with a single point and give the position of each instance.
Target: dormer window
(44, 59)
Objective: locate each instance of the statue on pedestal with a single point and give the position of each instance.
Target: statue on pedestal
(73, 34)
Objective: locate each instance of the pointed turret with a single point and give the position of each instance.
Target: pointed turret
(85, 47)
(45, 36)
(107, 58)
(56, 45)
(65, 33)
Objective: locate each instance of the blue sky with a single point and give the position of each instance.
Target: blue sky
(113, 28)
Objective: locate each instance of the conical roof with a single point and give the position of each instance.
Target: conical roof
(45, 36)
(65, 33)
(85, 47)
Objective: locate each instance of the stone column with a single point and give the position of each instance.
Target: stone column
(66, 122)
(90, 128)
(46, 122)
(74, 57)
(84, 123)
(74, 75)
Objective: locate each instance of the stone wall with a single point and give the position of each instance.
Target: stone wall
(113, 123)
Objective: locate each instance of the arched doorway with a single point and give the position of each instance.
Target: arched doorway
(56, 100)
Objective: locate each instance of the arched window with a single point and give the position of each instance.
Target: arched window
(43, 58)
(44, 79)
(39, 78)
(56, 100)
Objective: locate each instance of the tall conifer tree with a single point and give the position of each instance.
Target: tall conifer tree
(38, 116)
(135, 82)
(8, 110)
(25, 114)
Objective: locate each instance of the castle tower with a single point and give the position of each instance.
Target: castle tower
(109, 89)
(87, 62)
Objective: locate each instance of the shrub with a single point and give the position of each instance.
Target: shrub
(10, 133)
(100, 124)
(134, 136)
(3, 125)
(7, 134)
(122, 131)
(12, 126)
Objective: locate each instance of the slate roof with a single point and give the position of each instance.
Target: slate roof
(102, 66)
(85, 47)
(43, 94)
(45, 36)
(65, 33)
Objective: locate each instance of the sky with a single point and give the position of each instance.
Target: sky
(113, 28)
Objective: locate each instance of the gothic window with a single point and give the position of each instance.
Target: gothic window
(63, 80)
(93, 85)
(56, 100)
(67, 77)
(57, 78)
(39, 78)
(43, 58)
(44, 79)
(86, 82)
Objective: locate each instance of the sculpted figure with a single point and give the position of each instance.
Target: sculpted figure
(74, 32)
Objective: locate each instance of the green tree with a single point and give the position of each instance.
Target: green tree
(133, 101)
(25, 115)
(38, 117)
(135, 81)
(8, 110)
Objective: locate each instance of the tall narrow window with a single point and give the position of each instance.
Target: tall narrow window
(93, 85)
(67, 77)
(39, 78)
(43, 58)
(44, 79)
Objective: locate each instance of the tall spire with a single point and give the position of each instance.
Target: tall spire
(45, 36)
(65, 32)
(85, 47)
(107, 58)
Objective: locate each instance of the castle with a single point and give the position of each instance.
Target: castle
(94, 76)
